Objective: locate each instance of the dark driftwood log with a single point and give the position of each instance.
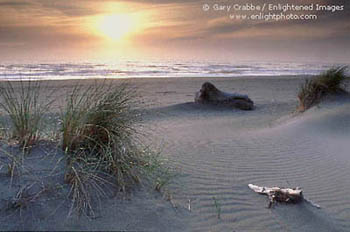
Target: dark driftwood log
(209, 94)
(277, 194)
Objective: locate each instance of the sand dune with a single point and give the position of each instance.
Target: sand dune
(219, 151)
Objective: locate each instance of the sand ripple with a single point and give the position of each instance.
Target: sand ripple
(218, 159)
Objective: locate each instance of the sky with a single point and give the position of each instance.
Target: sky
(111, 30)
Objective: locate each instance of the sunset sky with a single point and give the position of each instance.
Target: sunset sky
(83, 30)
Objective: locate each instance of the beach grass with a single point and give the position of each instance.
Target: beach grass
(102, 145)
(98, 127)
(315, 89)
(157, 169)
(21, 101)
(217, 207)
(87, 187)
(98, 134)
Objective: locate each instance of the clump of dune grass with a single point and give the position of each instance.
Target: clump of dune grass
(99, 135)
(102, 145)
(99, 127)
(21, 101)
(96, 116)
(315, 89)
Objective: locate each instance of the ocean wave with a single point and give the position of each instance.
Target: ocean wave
(43, 71)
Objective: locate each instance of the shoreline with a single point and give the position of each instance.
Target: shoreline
(174, 77)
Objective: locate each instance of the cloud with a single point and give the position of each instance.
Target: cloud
(76, 8)
(14, 4)
(17, 4)
(172, 24)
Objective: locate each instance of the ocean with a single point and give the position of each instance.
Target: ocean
(135, 69)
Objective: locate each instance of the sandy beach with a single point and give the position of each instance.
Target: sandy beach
(175, 115)
(217, 152)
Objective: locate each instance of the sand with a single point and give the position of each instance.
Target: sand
(218, 152)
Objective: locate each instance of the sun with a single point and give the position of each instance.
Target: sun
(117, 26)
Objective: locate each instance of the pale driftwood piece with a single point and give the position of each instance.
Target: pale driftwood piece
(277, 194)
(209, 94)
